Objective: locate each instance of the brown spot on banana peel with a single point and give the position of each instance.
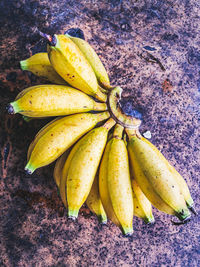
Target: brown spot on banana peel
(117, 113)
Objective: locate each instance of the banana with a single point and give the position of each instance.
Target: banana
(179, 179)
(94, 202)
(53, 100)
(40, 65)
(73, 67)
(155, 179)
(142, 206)
(83, 166)
(57, 173)
(103, 186)
(94, 61)
(119, 182)
(63, 180)
(63, 133)
(42, 131)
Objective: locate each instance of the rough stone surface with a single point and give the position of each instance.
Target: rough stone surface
(128, 36)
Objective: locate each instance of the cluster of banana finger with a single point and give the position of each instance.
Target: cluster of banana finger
(102, 160)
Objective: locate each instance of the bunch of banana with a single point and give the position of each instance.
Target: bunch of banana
(117, 177)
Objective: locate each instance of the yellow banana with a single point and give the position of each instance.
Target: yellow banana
(155, 179)
(57, 173)
(63, 134)
(83, 166)
(40, 65)
(63, 180)
(179, 179)
(142, 206)
(94, 61)
(103, 186)
(119, 182)
(73, 67)
(94, 202)
(53, 100)
(42, 131)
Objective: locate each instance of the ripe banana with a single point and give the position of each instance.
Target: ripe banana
(119, 182)
(63, 134)
(94, 61)
(155, 179)
(40, 65)
(142, 206)
(57, 173)
(73, 67)
(53, 100)
(83, 166)
(94, 202)
(63, 180)
(42, 131)
(103, 186)
(179, 179)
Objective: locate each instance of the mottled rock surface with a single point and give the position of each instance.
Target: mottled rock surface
(128, 36)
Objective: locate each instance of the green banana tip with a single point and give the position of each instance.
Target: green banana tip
(23, 65)
(102, 219)
(149, 220)
(29, 169)
(183, 215)
(73, 214)
(127, 231)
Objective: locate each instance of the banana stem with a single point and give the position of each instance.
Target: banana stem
(118, 131)
(109, 124)
(133, 132)
(100, 106)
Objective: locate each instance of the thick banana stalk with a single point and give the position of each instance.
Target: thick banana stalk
(70, 63)
(155, 179)
(94, 202)
(57, 173)
(117, 113)
(40, 65)
(179, 179)
(94, 61)
(119, 182)
(103, 185)
(83, 166)
(63, 134)
(53, 100)
(142, 206)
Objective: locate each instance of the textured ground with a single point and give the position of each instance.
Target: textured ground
(128, 36)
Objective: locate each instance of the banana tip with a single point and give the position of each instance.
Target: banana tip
(128, 234)
(102, 220)
(127, 231)
(10, 109)
(72, 214)
(73, 218)
(28, 171)
(149, 221)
